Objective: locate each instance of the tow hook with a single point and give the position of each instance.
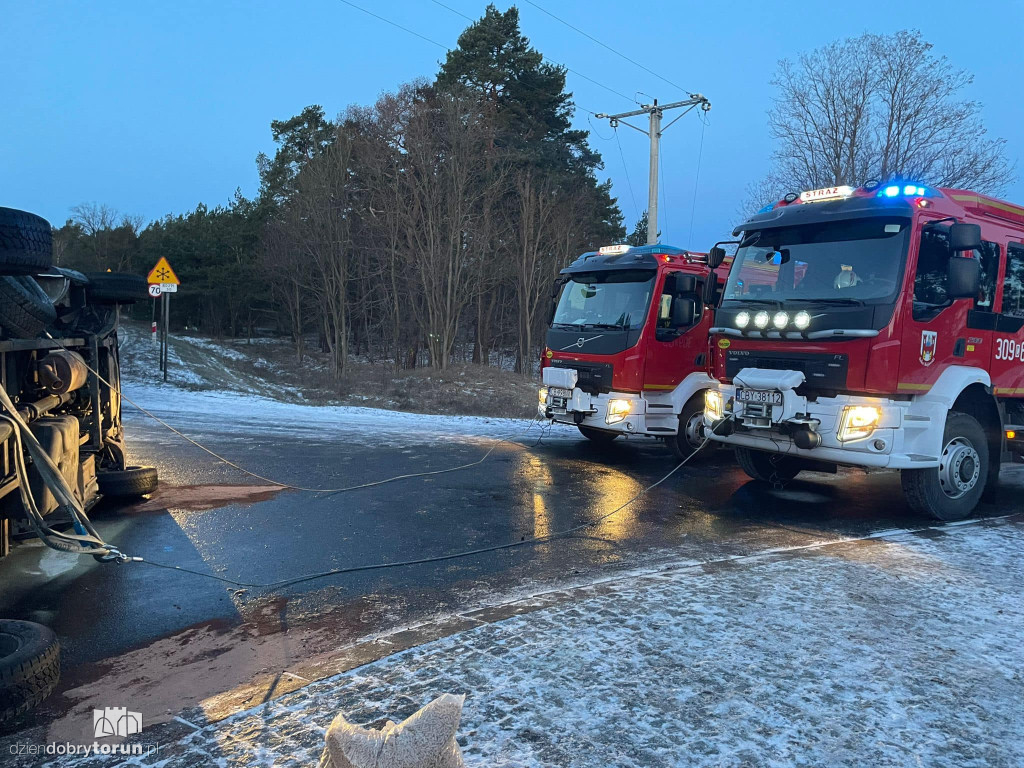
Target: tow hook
(804, 433)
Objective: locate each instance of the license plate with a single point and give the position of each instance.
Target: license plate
(565, 394)
(759, 396)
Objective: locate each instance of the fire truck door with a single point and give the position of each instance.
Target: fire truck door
(680, 334)
(1007, 348)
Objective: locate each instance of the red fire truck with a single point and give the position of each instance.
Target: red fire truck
(627, 345)
(877, 327)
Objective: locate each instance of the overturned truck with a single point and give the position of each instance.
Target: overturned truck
(61, 437)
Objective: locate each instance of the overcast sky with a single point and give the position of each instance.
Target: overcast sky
(155, 107)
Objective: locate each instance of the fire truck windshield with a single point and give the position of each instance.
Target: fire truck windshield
(858, 261)
(614, 299)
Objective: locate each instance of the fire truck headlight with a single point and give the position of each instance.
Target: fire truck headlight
(713, 409)
(858, 421)
(781, 320)
(742, 319)
(802, 320)
(617, 411)
(542, 395)
(761, 319)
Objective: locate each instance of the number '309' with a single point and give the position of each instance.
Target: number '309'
(1008, 349)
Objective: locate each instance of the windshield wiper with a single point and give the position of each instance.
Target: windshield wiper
(605, 326)
(745, 300)
(832, 300)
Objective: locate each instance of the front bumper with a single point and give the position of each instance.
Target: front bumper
(586, 410)
(908, 434)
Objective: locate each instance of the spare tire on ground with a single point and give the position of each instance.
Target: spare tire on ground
(29, 667)
(25, 309)
(128, 482)
(116, 288)
(26, 245)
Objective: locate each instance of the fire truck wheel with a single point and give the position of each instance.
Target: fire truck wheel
(767, 467)
(29, 667)
(952, 490)
(598, 436)
(690, 436)
(25, 242)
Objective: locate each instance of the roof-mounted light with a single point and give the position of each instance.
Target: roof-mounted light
(826, 193)
(905, 190)
(613, 250)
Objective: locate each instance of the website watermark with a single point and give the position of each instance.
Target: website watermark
(107, 722)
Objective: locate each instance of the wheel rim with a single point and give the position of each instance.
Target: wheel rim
(959, 468)
(693, 430)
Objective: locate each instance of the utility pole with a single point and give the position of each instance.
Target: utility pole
(654, 112)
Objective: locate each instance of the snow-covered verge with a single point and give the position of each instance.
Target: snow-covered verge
(268, 367)
(204, 412)
(899, 650)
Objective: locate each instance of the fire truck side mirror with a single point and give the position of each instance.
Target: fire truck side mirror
(684, 309)
(963, 278)
(716, 256)
(710, 291)
(964, 237)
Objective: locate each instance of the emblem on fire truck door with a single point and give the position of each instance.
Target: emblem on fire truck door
(929, 339)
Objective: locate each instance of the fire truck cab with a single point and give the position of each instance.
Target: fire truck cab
(627, 346)
(880, 327)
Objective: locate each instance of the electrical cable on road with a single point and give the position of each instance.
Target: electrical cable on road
(111, 553)
(288, 486)
(436, 558)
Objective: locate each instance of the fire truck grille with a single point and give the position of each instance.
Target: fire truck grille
(593, 378)
(821, 371)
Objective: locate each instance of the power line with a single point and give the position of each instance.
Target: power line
(611, 48)
(636, 208)
(696, 180)
(446, 48)
(548, 59)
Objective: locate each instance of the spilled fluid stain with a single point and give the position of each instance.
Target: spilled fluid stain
(198, 498)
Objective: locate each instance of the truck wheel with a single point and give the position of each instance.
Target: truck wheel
(29, 667)
(767, 467)
(116, 288)
(690, 436)
(26, 245)
(128, 482)
(25, 309)
(598, 436)
(952, 490)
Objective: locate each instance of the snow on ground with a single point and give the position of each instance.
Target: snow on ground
(230, 412)
(902, 650)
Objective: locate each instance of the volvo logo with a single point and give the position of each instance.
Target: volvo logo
(581, 341)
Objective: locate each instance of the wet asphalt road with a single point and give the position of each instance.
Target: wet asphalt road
(704, 512)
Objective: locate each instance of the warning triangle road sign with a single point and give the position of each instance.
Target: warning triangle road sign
(162, 273)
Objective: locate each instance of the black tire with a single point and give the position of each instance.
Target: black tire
(26, 243)
(691, 435)
(29, 667)
(128, 482)
(952, 490)
(25, 309)
(116, 288)
(767, 467)
(598, 436)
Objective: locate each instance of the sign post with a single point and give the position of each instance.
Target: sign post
(162, 283)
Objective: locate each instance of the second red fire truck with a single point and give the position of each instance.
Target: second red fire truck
(877, 327)
(627, 346)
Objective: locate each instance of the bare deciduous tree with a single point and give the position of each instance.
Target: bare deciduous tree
(883, 107)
